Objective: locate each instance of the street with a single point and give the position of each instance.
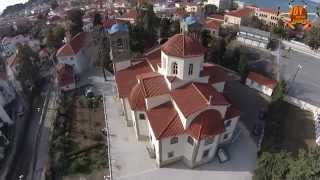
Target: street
(25, 148)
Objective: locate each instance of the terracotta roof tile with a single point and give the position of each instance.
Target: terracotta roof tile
(216, 16)
(183, 46)
(213, 24)
(65, 75)
(154, 57)
(126, 78)
(153, 84)
(165, 125)
(195, 96)
(74, 46)
(241, 12)
(260, 79)
(216, 73)
(136, 98)
(206, 124)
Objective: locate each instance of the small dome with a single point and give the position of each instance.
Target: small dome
(183, 46)
(191, 20)
(136, 98)
(118, 28)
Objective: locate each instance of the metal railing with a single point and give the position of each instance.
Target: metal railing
(110, 177)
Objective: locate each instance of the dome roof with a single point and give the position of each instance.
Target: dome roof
(118, 28)
(191, 20)
(183, 46)
(136, 98)
(206, 124)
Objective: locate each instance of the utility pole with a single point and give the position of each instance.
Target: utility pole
(299, 67)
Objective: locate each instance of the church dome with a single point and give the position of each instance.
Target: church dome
(118, 28)
(183, 46)
(191, 20)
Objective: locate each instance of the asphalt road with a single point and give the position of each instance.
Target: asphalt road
(306, 85)
(25, 148)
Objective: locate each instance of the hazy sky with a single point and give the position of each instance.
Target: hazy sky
(5, 3)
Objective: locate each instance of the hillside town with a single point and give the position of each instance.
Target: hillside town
(133, 90)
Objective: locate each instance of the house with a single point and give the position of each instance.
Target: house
(130, 16)
(221, 4)
(9, 44)
(213, 26)
(267, 15)
(174, 101)
(254, 37)
(65, 78)
(74, 53)
(261, 83)
(234, 17)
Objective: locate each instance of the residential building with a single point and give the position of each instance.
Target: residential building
(65, 78)
(74, 52)
(261, 83)
(234, 17)
(9, 44)
(221, 4)
(254, 37)
(174, 101)
(267, 15)
(213, 26)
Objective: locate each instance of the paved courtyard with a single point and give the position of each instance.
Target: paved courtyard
(130, 159)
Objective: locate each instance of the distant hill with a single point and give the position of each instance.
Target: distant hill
(17, 8)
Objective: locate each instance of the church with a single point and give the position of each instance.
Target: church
(173, 99)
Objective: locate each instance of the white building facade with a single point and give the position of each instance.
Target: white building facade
(173, 100)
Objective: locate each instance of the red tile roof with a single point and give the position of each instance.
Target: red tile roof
(165, 121)
(126, 78)
(213, 24)
(131, 14)
(136, 98)
(154, 58)
(183, 46)
(260, 79)
(107, 23)
(65, 75)
(216, 16)
(195, 96)
(216, 73)
(241, 12)
(73, 47)
(173, 79)
(232, 112)
(154, 85)
(206, 124)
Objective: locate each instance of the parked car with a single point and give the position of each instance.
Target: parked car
(223, 156)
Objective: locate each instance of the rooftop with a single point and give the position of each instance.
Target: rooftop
(73, 47)
(241, 12)
(262, 80)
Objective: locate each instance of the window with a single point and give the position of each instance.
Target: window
(205, 153)
(71, 58)
(175, 68)
(190, 69)
(209, 140)
(174, 140)
(141, 116)
(227, 123)
(190, 140)
(119, 43)
(225, 136)
(170, 154)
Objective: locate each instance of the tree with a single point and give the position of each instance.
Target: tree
(254, 22)
(74, 21)
(206, 38)
(279, 91)
(210, 9)
(216, 50)
(243, 66)
(312, 37)
(27, 67)
(54, 4)
(272, 166)
(54, 37)
(97, 20)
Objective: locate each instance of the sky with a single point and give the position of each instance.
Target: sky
(5, 3)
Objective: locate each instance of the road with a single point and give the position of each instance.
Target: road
(306, 85)
(25, 148)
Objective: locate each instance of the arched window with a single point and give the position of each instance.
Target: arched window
(174, 68)
(190, 72)
(119, 43)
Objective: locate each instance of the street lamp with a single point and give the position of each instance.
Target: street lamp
(299, 67)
